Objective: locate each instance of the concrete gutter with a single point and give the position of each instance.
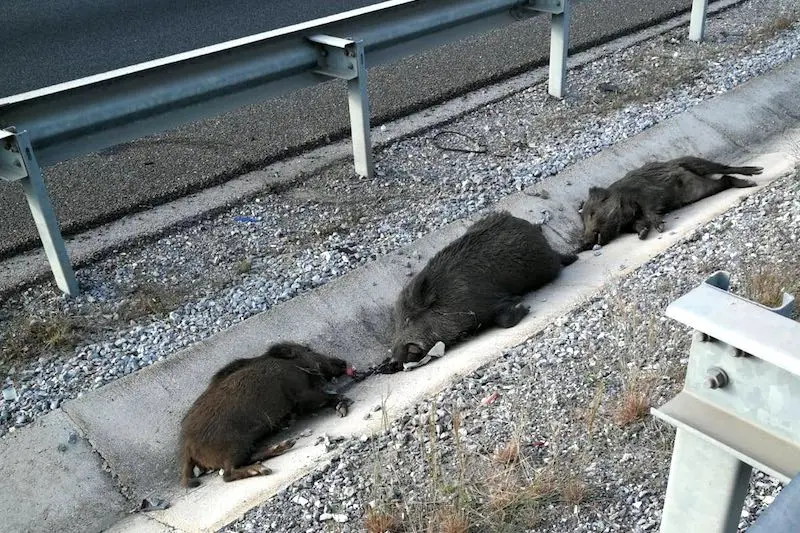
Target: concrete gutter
(132, 423)
(32, 267)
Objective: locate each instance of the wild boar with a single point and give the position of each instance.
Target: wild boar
(476, 281)
(639, 200)
(246, 401)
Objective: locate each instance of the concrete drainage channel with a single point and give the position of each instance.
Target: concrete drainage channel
(132, 423)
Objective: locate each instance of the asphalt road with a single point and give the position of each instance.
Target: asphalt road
(90, 190)
(44, 42)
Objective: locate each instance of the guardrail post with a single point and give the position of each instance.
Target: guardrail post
(697, 26)
(737, 410)
(559, 50)
(18, 163)
(344, 59)
(559, 41)
(705, 489)
(358, 101)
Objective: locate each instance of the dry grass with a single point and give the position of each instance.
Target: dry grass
(766, 284)
(243, 267)
(573, 491)
(381, 522)
(590, 415)
(150, 299)
(511, 494)
(508, 453)
(781, 23)
(634, 404)
(30, 339)
(450, 520)
(503, 490)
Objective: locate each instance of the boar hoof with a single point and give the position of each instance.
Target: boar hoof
(643, 234)
(342, 409)
(260, 470)
(510, 316)
(660, 227)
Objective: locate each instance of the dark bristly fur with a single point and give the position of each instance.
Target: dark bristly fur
(246, 401)
(638, 202)
(476, 281)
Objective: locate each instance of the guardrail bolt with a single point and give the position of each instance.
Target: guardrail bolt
(716, 378)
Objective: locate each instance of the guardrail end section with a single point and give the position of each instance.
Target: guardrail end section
(18, 163)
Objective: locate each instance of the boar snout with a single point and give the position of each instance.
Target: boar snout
(407, 352)
(334, 368)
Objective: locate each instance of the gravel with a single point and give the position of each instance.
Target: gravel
(140, 306)
(545, 392)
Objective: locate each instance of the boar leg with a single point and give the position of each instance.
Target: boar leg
(656, 221)
(704, 167)
(568, 259)
(510, 314)
(273, 450)
(642, 228)
(313, 399)
(232, 473)
(648, 221)
(187, 473)
(737, 183)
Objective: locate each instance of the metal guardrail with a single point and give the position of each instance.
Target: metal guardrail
(96, 112)
(737, 410)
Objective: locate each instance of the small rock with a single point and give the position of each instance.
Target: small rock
(491, 398)
(608, 87)
(153, 504)
(436, 351)
(10, 394)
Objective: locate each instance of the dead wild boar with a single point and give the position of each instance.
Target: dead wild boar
(639, 200)
(476, 281)
(246, 401)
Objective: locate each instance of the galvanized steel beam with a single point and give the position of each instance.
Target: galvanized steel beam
(697, 25)
(93, 113)
(18, 163)
(738, 408)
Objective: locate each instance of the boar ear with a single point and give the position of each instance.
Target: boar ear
(282, 351)
(423, 291)
(600, 193)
